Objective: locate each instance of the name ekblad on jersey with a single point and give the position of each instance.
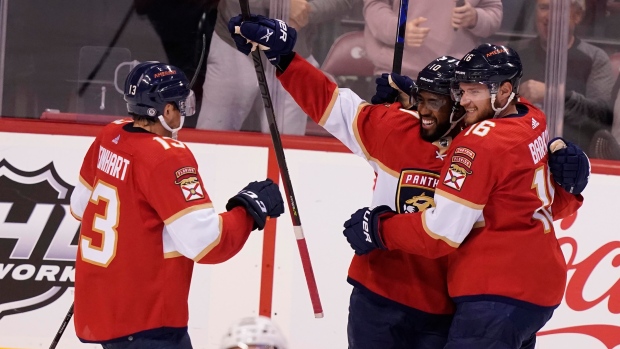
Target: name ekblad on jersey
(37, 234)
(415, 191)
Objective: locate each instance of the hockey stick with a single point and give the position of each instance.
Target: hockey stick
(399, 45)
(61, 330)
(288, 188)
(202, 57)
(107, 51)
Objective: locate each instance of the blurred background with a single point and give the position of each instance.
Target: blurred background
(70, 57)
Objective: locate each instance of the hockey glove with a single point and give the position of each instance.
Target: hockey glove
(261, 200)
(393, 87)
(362, 229)
(569, 165)
(273, 36)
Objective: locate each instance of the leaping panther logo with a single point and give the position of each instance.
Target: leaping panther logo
(418, 203)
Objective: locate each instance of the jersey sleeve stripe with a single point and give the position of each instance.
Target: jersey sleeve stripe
(384, 168)
(437, 236)
(193, 234)
(479, 224)
(213, 244)
(188, 210)
(356, 132)
(86, 184)
(329, 108)
(173, 254)
(79, 199)
(452, 231)
(461, 201)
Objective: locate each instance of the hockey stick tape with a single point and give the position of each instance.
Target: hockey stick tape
(557, 145)
(254, 44)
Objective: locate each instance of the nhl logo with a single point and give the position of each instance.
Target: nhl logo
(151, 112)
(37, 234)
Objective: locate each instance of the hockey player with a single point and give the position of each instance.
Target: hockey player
(146, 218)
(254, 332)
(493, 219)
(398, 300)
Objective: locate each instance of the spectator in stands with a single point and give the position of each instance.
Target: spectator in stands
(254, 332)
(434, 28)
(231, 93)
(589, 78)
(615, 129)
(612, 17)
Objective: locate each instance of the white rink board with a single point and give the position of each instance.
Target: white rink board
(328, 188)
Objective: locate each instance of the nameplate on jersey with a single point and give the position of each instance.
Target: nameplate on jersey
(460, 168)
(187, 180)
(416, 189)
(113, 164)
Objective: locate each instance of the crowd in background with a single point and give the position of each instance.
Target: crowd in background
(352, 40)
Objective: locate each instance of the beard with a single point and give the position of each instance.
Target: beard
(434, 135)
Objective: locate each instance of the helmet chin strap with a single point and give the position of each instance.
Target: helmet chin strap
(499, 110)
(174, 131)
(453, 123)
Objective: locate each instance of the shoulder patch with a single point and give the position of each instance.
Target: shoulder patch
(456, 175)
(187, 180)
(465, 152)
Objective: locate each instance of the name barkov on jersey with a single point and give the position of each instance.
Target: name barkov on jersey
(538, 147)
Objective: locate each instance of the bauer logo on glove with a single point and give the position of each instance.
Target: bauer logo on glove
(273, 36)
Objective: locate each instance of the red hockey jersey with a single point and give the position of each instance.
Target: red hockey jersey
(495, 198)
(146, 217)
(407, 171)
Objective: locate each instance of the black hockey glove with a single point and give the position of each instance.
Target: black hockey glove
(261, 200)
(362, 229)
(569, 165)
(273, 36)
(394, 87)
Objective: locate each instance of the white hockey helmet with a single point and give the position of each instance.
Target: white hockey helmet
(255, 331)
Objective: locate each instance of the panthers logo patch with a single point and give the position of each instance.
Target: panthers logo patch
(416, 189)
(418, 203)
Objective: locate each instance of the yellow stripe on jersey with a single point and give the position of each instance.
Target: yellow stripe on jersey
(173, 254)
(193, 235)
(212, 245)
(437, 236)
(86, 184)
(74, 216)
(461, 201)
(356, 132)
(182, 213)
(452, 218)
(329, 108)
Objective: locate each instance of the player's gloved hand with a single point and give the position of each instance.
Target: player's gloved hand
(362, 229)
(261, 200)
(569, 165)
(393, 87)
(273, 36)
